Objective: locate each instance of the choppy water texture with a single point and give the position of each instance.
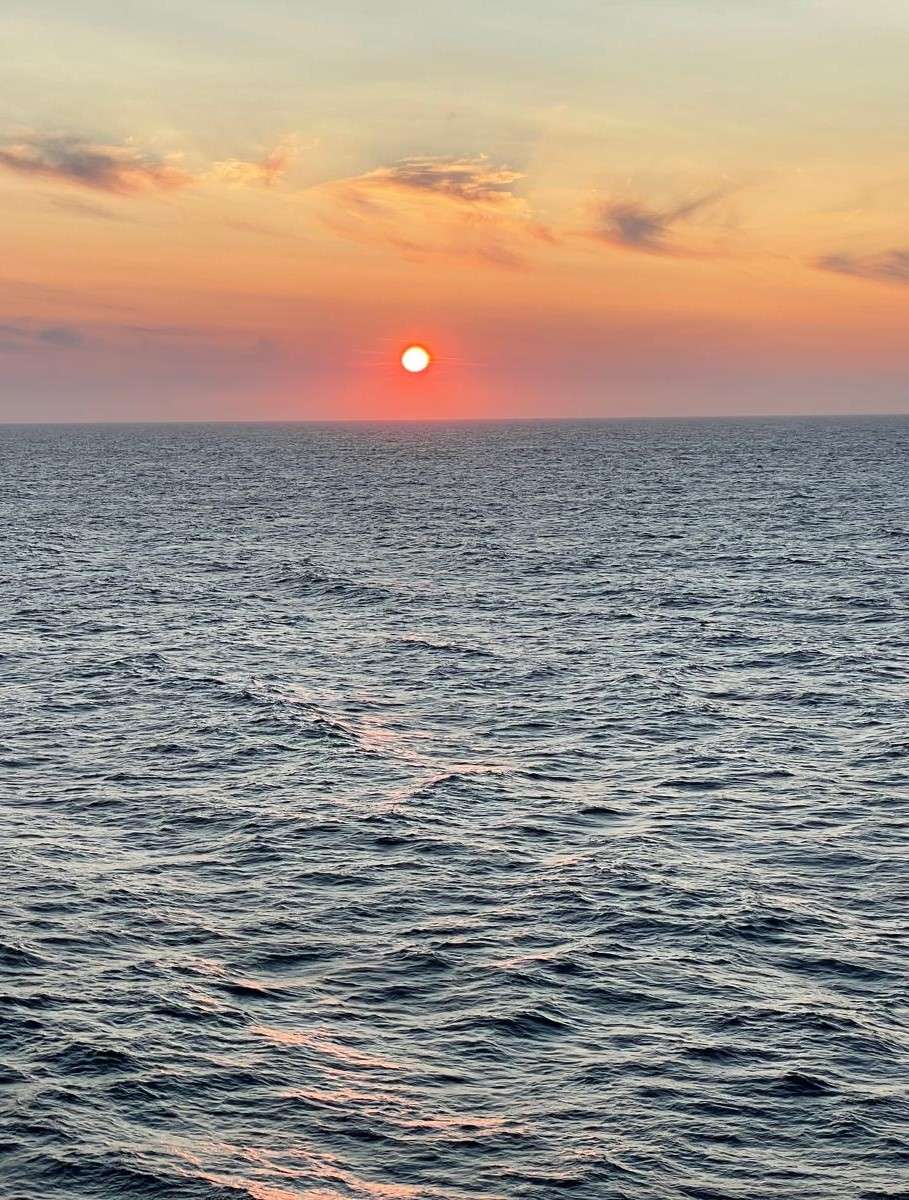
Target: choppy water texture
(407, 812)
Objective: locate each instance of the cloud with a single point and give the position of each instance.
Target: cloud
(124, 342)
(61, 335)
(457, 208)
(264, 173)
(125, 170)
(20, 336)
(634, 226)
(472, 180)
(890, 267)
(62, 158)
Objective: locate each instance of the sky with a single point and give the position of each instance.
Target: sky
(227, 210)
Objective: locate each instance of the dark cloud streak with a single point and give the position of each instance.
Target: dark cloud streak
(632, 225)
(890, 267)
(19, 336)
(472, 180)
(67, 159)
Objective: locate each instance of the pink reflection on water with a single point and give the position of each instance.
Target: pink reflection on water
(460, 1123)
(516, 961)
(316, 1040)
(331, 1180)
(344, 1096)
(325, 1169)
(205, 966)
(382, 1105)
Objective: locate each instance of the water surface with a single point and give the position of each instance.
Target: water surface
(401, 812)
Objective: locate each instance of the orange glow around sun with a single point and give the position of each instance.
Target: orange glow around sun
(415, 359)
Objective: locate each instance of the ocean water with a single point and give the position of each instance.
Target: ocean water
(440, 811)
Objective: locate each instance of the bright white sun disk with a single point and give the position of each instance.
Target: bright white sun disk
(415, 359)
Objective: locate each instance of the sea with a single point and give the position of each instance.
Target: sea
(447, 811)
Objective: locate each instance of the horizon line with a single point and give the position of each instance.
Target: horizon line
(535, 420)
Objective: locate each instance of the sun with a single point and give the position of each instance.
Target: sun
(415, 359)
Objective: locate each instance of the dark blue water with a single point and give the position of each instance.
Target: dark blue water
(407, 812)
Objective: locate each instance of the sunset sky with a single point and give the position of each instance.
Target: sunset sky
(219, 209)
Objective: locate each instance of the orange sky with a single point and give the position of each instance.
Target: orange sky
(220, 212)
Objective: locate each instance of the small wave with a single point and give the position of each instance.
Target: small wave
(441, 646)
(86, 1058)
(691, 783)
(325, 584)
(801, 1083)
(460, 773)
(525, 1025)
(15, 956)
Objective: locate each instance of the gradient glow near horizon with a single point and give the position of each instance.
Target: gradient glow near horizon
(227, 210)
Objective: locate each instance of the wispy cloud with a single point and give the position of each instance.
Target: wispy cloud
(473, 180)
(67, 159)
(890, 267)
(126, 170)
(21, 336)
(266, 172)
(458, 208)
(26, 335)
(635, 226)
